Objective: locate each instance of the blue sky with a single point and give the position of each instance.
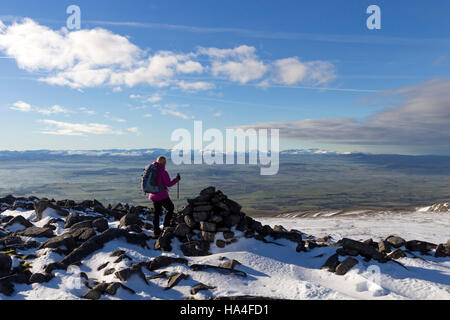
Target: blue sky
(137, 70)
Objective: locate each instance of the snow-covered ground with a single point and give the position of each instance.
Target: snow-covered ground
(272, 271)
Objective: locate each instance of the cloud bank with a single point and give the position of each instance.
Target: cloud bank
(419, 117)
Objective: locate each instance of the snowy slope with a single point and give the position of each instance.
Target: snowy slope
(272, 271)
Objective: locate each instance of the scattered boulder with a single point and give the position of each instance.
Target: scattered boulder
(331, 263)
(200, 287)
(129, 220)
(83, 234)
(100, 224)
(19, 220)
(5, 263)
(40, 278)
(125, 274)
(443, 250)
(36, 232)
(395, 241)
(384, 246)
(230, 264)
(164, 261)
(422, 246)
(397, 254)
(363, 249)
(220, 244)
(208, 226)
(182, 230)
(65, 240)
(74, 218)
(174, 280)
(6, 287)
(202, 267)
(345, 266)
(42, 205)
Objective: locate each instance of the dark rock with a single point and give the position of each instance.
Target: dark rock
(230, 264)
(97, 242)
(331, 263)
(210, 191)
(384, 246)
(215, 218)
(81, 225)
(346, 252)
(200, 216)
(363, 249)
(100, 224)
(442, 250)
(5, 263)
(190, 222)
(163, 243)
(300, 247)
(208, 226)
(228, 235)
(231, 220)
(129, 220)
(112, 288)
(42, 205)
(6, 288)
(83, 234)
(125, 274)
(234, 206)
(397, 254)
(200, 287)
(20, 220)
(204, 208)
(92, 294)
(74, 218)
(422, 246)
(395, 241)
(195, 248)
(220, 243)
(64, 240)
(203, 267)
(278, 228)
(182, 230)
(109, 271)
(117, 253)
(164, 261)
(40, 278)
(102, 266)
(174, 280)
(208, 236)
(345, 266)
(36, 232)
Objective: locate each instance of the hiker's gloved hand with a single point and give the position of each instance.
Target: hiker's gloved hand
(178, 176)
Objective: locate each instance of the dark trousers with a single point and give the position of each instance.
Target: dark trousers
(168, 205)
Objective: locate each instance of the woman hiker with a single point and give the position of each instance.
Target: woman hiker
(162, 199)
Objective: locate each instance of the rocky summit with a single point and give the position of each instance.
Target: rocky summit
(85, 250)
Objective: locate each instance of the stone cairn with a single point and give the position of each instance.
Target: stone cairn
(210, 213)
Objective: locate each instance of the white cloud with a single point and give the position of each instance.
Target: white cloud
(108, 116)
(134, 130)
(148, 115)
(291, 71)
(240, 71)
(135, 96)
(76, 129)
(56, 109)
(154, 98)
(87, 111)
(218, 114)
(195, 86)
(98, 57)
(21, 106)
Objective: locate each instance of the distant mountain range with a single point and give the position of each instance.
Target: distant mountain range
(40, 154)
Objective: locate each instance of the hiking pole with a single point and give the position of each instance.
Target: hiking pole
(178, 190)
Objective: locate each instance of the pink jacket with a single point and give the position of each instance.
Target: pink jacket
(163, 181)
